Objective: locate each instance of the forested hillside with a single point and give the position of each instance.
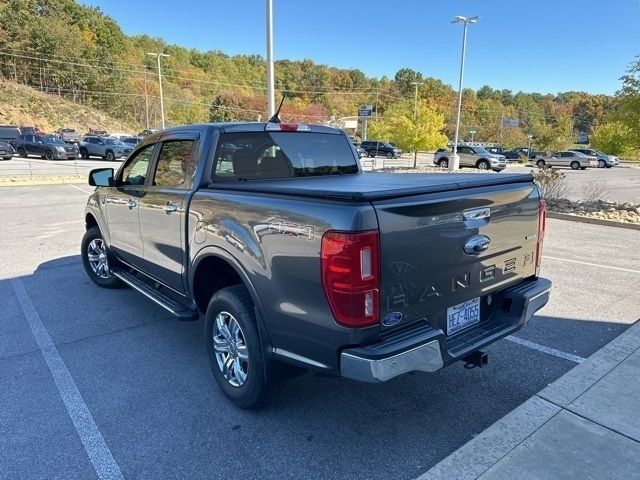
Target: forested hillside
(66, 49)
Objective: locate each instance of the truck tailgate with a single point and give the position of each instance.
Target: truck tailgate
(424, 267)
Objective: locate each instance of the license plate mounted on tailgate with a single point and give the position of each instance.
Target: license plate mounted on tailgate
(463, 315)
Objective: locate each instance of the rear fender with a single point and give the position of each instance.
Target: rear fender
(212, 251)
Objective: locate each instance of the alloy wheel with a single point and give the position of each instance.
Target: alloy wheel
(97, 256)
(230, 348)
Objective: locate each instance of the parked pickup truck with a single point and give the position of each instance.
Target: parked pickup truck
(297, 258)
(474, 156)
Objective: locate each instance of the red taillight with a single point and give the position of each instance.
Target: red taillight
(351, 276)
(542, 226)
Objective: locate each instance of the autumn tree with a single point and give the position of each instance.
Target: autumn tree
(411, 133)
(613, 138)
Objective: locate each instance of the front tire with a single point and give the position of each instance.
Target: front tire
(602, 164)
(443, 163)
(235, 351)
(389, 155)
(48, 154)
(84, 153)
(483, 165)
(22, 152)
(540, 164)
(95, 259)
(109, 156)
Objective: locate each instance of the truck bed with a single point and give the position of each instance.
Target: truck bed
(367, 187)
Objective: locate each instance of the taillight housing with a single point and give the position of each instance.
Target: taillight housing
(542, 226)
(351, 276)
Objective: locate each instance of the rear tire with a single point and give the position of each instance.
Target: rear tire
(575, 165)
(95, 259)
(540, 164)
(6, 158)
(250, 380)
(443, 163)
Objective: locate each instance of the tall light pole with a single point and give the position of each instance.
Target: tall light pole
(271, 101)
(455, 159)
(158, 55)
(415, 98)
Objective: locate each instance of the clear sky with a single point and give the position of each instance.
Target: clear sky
(545, 46)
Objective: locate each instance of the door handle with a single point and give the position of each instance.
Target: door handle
(131, 204)
(170, 207)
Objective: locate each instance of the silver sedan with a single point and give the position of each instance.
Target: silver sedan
(571, 159)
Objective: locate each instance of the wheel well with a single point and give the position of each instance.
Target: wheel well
(211, 275)
(483, 160)
(90, 221)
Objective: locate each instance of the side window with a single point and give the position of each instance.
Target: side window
(135, 171)
(173, 163)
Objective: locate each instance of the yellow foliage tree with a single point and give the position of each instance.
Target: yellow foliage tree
(419, 132)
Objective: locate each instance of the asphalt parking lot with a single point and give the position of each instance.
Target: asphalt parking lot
(140, 383)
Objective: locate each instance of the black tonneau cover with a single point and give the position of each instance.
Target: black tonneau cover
(372, 186)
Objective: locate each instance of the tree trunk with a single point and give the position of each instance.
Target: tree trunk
(415, 158)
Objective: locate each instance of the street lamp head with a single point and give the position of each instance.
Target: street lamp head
(461, 19)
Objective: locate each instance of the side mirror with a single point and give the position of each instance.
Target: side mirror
(101, 143)
(101, 177)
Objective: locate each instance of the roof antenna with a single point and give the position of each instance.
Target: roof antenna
(276, 116)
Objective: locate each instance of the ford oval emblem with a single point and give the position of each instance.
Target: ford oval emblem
(476, 245)
(392, 319)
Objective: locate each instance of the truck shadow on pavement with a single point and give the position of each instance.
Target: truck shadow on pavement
(146, 379)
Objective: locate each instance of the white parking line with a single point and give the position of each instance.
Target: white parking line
(544, 349)
(592, 264)
(78, 188)
(92, 440)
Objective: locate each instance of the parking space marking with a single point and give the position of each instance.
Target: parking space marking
(79, 188)
(592, 264)
(91, 438)
(545, 349)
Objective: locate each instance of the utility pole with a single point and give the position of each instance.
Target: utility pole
(271, 101)
(415, 99)
(415, 116)
(146, 100)
(455, 160)
(377, 98)
(158, 55)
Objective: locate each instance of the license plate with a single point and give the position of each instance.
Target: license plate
(463, 315)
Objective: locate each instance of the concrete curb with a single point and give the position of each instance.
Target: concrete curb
(485, 450)
(593, 221)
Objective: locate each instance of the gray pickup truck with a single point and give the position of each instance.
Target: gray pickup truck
(300, 261)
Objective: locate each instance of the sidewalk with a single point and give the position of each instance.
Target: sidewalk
(585, 425)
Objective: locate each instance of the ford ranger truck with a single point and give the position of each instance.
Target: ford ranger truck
(297, 260)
